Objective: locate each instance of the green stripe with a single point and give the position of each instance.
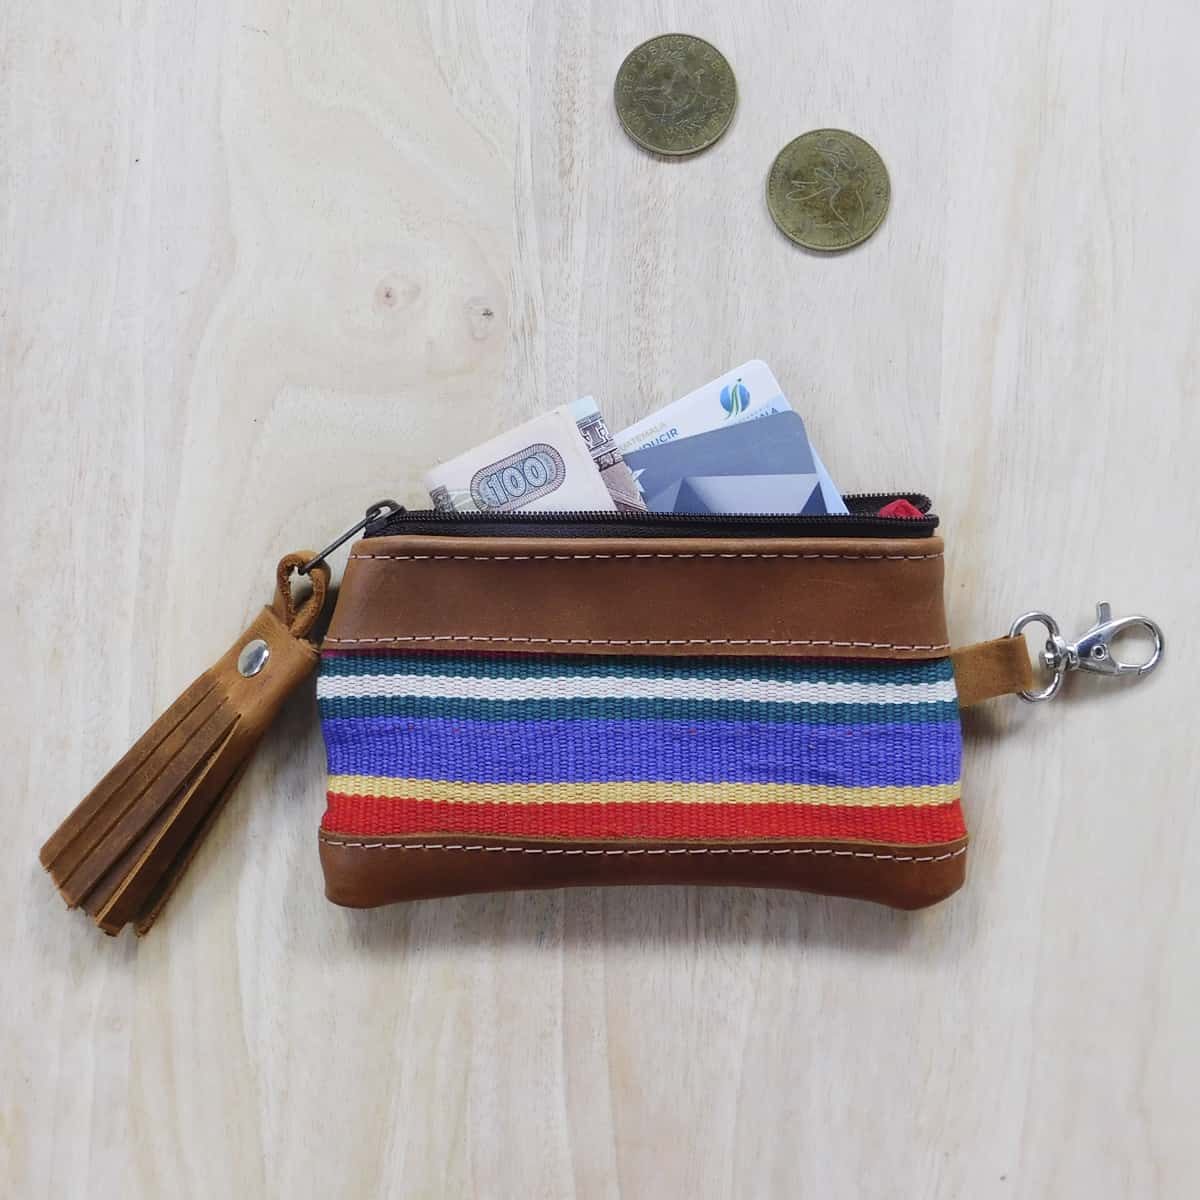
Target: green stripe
(582, 666)
(623, 709)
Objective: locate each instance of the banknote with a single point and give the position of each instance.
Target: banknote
(746, 393)
(563, 460)
(609, 461)
(762, 466)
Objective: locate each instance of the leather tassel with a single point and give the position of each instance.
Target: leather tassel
(121, 852)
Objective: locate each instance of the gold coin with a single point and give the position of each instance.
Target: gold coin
(675, 94)
(828, 190)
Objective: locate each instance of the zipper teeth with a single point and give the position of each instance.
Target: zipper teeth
(427, 516)
(854, 524)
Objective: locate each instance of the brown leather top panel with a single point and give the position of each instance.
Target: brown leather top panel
(815, 597)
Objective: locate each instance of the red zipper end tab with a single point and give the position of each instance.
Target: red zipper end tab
(900, 508)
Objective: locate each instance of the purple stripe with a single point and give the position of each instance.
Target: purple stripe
(649, 750)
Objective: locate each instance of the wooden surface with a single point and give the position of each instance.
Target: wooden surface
(264, 262)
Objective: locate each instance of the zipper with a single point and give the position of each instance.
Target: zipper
(861, 521)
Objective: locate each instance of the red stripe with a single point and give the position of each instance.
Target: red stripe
(381, 816)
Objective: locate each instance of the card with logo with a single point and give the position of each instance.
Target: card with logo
(760, 466)
(745, 394)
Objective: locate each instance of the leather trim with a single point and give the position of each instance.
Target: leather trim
(985, 670)
(367, 872)
(816, 597)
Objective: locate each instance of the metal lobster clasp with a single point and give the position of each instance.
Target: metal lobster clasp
(1092, 651)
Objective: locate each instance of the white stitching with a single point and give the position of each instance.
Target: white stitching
(547, 641)
(663, 554)
(900, 858)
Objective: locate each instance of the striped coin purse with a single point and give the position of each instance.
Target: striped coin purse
(538, 700)
(581, 700)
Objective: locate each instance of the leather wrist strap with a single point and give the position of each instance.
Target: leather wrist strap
(121, 852)
(985, 670)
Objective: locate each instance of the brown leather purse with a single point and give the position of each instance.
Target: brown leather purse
(541, 700)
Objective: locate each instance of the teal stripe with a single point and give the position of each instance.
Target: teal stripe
(582, 666)
(623, 709)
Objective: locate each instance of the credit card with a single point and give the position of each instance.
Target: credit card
(747, 393)
(760, 466)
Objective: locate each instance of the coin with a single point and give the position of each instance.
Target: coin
(828, 190)
(675, 94)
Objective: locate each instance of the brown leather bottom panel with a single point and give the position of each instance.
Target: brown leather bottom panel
(366, 872)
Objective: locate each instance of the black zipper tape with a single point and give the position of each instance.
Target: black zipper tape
(861, 521)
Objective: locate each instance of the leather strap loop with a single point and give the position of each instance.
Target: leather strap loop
(299, 620)
(985, 670)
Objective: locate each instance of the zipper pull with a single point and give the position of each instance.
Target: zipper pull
(121, 852)
(381, 508)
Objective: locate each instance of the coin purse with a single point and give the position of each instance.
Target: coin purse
(522, 702)
(536, 700)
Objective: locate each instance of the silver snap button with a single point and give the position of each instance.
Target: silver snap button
(253, 657)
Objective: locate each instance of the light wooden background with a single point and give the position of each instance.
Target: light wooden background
(264, 262)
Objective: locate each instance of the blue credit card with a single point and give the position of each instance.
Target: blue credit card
(759, 466)
(746, 393)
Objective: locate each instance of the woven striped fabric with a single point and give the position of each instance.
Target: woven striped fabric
(596, 748)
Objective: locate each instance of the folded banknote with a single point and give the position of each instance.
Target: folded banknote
(564, 460)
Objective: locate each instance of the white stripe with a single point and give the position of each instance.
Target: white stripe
(570, 687)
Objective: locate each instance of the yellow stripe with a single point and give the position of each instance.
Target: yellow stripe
(623, 793)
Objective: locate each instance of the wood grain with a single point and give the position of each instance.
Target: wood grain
(263, 262)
